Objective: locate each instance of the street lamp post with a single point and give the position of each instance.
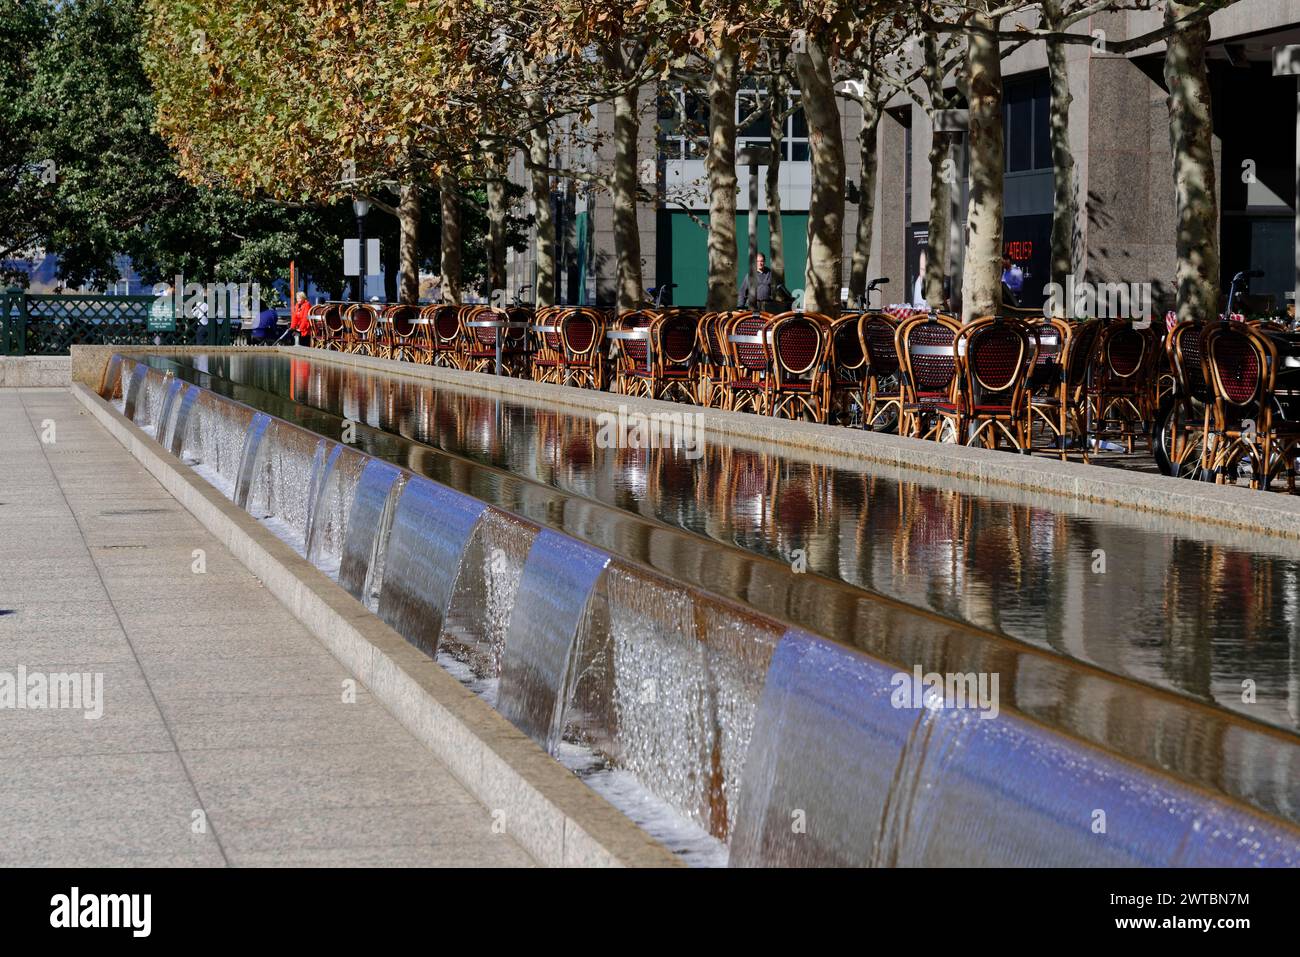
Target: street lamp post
(753, 155)
(361, 206)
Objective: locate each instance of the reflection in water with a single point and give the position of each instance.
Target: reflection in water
(1181, 612)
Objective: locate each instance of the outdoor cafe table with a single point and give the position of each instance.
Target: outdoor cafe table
(497, 324)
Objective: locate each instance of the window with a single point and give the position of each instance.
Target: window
(683, 118)
(1026, 123)
(794, 134)
(683, 123)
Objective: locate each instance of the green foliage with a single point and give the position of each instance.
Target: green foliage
(23, 24)
(81, 111)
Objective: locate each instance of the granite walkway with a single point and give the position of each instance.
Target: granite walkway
(228, 735)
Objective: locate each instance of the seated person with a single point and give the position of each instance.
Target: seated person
(265, 330)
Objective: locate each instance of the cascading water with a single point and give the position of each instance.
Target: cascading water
(322, 463)
(174, 388)
(851, 764)
(181, 422)
(365, 526)
(430, 529)
(281, 480)
(248, 457)
(134, 388)
(218, 438)
(328, 524)
(670, 683)
(559, 577)
(111, 381)
(478, 615)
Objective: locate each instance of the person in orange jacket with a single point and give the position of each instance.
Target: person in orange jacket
(298, 322)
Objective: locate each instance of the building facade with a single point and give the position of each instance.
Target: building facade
(1123, 183)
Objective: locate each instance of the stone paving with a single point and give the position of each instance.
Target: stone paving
(225, 737)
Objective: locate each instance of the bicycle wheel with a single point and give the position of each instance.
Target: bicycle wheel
(1176, 449)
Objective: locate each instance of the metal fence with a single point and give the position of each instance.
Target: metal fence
(39, 324)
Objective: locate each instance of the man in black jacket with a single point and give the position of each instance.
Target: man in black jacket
(761, 287)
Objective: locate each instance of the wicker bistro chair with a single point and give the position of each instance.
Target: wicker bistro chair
(799, 367)
(582, 340)
(631, 350)
(1078, 365)
(408, 334)
(1241, 365)
(1049, 405)
(481, 355)
(359, 323)
(1183, 421)
(748, 387)
(715, 359)
(928, 361)
(515, 338)
(326, 324)
(1121, 395)
(336, 329)
(674, 372)
(996, 357)
(846, 379)
(446, 337)
(883, 373)
(546, 363)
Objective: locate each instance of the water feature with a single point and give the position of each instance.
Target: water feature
(165, 414)
(650, 657)
(559, 577)
(322, 463)
(369, 520)
(248, 457)
(110, 384)
(176, 438)
(134, 389)
(837, 774)
(430, 529)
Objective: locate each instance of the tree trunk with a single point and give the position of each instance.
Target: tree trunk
(776, 106)
(721, 166)
(1191, 144)
(539, 157)
(824, 271)
(497, 212)
(627, 234)
(1064, 203)
(408, 218)
(539, 160)
(942, 177)
(450, 240)
(866, 181)
(982, 277)
(936, 243)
